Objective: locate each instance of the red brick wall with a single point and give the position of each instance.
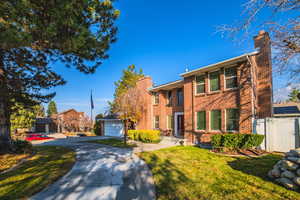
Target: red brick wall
(163, 110)
(144, 85)
(221, 100)
(263, 63)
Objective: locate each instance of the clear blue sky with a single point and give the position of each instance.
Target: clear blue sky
(163, 37)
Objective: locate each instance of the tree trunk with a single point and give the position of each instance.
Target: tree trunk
(125, 131)
(5, 138)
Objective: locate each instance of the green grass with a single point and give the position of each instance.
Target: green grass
(46, 166)
(194, 173)
(114, 143)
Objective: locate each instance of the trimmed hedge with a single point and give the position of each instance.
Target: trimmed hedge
(236, 141)
(146, 136)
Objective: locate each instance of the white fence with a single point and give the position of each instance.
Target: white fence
(281, 134)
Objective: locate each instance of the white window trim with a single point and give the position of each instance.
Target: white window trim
(196, 120)
(225, 87)
(196, 93)
(209, 81)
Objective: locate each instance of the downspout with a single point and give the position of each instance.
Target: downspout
(252, 93)
(193, 113)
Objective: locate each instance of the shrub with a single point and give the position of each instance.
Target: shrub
(22, 146)
(146, 136)
(236, 141)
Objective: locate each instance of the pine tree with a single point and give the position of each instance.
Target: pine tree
(51, 108)
(34, 35)
(293, 96)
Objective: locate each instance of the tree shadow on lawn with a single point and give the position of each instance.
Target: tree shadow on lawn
(168, 177)
(255, 166)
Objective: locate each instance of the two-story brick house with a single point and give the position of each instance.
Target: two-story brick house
(222, 97)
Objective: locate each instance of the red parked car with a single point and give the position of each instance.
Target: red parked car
(32, 137)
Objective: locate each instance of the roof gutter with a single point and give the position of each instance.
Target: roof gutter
(219, 64)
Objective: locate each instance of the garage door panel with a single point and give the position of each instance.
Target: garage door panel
(113, 128)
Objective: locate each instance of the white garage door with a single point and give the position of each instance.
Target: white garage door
(113, 128)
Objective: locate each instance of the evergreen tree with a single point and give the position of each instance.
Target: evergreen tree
(34, 35)
(24, 117)
(51, 108)
(293, 96)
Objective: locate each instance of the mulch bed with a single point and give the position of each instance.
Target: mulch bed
(241, 152)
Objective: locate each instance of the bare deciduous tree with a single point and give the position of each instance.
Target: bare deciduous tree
(130, 107)
(283, 24)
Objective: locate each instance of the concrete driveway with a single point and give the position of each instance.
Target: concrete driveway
(100, 172)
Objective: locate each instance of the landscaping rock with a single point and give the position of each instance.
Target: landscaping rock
(297, 180)
(288, 174)
(287, 183)
(289, 165)
(298, 172)
(275, 172)
(289, 154)
(295, 152)
(294, 159)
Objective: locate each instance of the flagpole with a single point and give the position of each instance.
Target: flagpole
(91, 108)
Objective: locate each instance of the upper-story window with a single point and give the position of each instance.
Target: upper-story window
(155, 98)
(230, 77)
(214, 81)
(179, 97)
(169, 98)
(200, 84)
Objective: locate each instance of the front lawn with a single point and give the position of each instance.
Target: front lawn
(194, 173)
(46, 166)
(114, 143)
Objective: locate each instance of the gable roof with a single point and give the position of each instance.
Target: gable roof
(230, 61)
(167, 86)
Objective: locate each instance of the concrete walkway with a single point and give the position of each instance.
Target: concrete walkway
(100, 172)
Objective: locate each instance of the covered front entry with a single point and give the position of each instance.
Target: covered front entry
(179, 124)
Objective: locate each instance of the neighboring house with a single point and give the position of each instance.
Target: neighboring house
(288, 109)
(222, 97)
(45, 125)
(72, 121)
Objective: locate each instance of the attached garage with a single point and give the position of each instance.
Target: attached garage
(113, 127)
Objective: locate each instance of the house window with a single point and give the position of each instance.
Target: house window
(179, 97)
(156, 98)
(214, 81)
(201, 120)
(215, 120)
(156, 122)
(170, 122)
(231, 77)
(169, 98)
(200, 84)
(232, 119)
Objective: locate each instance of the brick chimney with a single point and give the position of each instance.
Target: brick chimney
(264, 75)
(144, 84)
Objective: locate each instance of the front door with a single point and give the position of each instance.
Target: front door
(179, 124)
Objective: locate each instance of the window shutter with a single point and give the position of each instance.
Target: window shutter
(201, 120)
(215, 120)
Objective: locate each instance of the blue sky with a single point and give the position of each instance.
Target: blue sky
(161, 37)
